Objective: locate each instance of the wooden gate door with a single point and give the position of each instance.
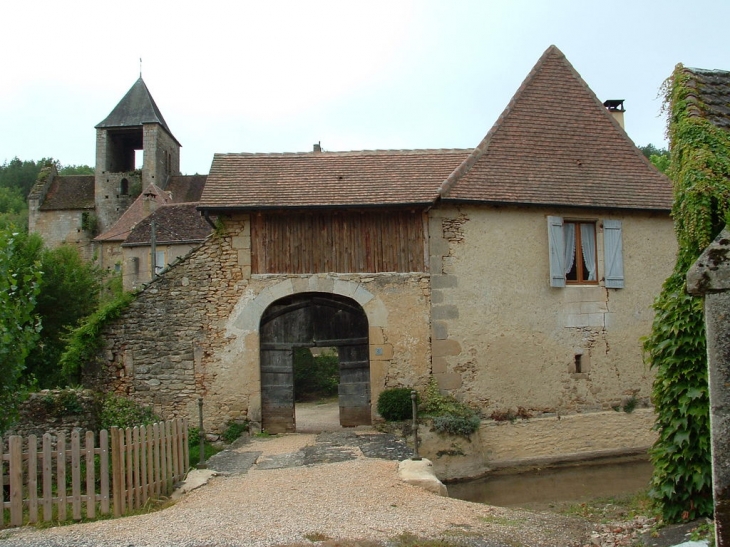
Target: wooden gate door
(277, 388)
(354, 388)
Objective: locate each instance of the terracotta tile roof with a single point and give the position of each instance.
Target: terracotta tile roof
(185, 188)
(147, 202)
(327, 179)
(70, 192)
(712, 94)
(556, 144)
(178, 223)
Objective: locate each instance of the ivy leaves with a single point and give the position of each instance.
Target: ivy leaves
(676, 348)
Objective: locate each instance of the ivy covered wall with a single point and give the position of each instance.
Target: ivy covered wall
(676, 349)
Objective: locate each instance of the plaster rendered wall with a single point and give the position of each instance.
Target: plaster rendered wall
(63, 227)
(503, 338)
(133, 278)
(109, 255)
(194, 331)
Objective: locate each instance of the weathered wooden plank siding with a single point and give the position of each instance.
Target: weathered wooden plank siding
(319, 242)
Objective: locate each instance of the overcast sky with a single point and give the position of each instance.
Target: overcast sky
(239, 76)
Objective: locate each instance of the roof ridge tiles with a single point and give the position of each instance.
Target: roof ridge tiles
(377, 151)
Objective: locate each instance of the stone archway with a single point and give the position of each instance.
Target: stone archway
(313, 319)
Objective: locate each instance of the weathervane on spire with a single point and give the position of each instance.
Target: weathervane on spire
(140, 67)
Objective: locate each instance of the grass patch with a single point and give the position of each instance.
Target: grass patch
(613, 508)
(502, 521)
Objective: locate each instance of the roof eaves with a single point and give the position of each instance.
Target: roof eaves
(505, 203)
(279, 207)
(165, 242)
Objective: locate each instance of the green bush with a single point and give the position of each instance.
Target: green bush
(233, 431)
(121, 412)
(194, 447)
(456, 425)
(395, 404)
(449, 415)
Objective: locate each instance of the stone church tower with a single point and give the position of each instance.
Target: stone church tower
(96, 213)
(135, 124)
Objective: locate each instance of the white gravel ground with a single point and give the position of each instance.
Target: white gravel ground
(357, 500)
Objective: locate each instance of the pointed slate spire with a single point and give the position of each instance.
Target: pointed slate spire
(137, 107)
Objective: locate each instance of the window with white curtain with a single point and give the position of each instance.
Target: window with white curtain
(573, 256)
(580, 252)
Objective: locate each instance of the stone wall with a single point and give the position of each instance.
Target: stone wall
(193, 332)
(56, 411)
(539, 441)
(160, 351)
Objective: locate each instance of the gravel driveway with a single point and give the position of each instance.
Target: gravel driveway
(359, 499)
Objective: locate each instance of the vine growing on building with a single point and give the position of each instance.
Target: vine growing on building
(85, 342)
(676, 347)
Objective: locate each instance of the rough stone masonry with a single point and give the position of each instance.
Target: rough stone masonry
(710, 277)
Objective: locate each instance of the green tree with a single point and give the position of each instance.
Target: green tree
(19, 325)
(13, 208)
(75, 170)
(676, 349)
(69, 292)
(659, 157)
(21, 175)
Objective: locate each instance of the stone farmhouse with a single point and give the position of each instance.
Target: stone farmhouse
(519, 274)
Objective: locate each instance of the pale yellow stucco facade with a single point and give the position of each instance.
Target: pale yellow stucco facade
(503, 338)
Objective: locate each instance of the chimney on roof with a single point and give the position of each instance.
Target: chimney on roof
(318, 147)
(616, 108)
(149, 201)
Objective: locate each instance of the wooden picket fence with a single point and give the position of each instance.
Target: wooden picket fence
(146, 462)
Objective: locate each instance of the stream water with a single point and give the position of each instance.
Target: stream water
(542, 489)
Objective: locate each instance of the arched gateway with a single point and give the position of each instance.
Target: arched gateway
(313, 320)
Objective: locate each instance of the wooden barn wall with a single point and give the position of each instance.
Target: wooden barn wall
(350, 242)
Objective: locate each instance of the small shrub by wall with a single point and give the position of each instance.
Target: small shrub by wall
(395, 404)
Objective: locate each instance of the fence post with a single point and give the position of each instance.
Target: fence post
(116, 472)
(201, 463)
(61, 475)
(76, 474)
(129, 467)
(414, 404)
(16, 480)
(136, 484)
(186, 445)
(47, 478)
(104, 470)
(32, 479)
(90, 476)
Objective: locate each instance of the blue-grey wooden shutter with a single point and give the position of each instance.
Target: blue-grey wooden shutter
(613, 253)
(556, 243)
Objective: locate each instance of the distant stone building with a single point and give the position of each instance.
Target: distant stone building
(87, 211)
